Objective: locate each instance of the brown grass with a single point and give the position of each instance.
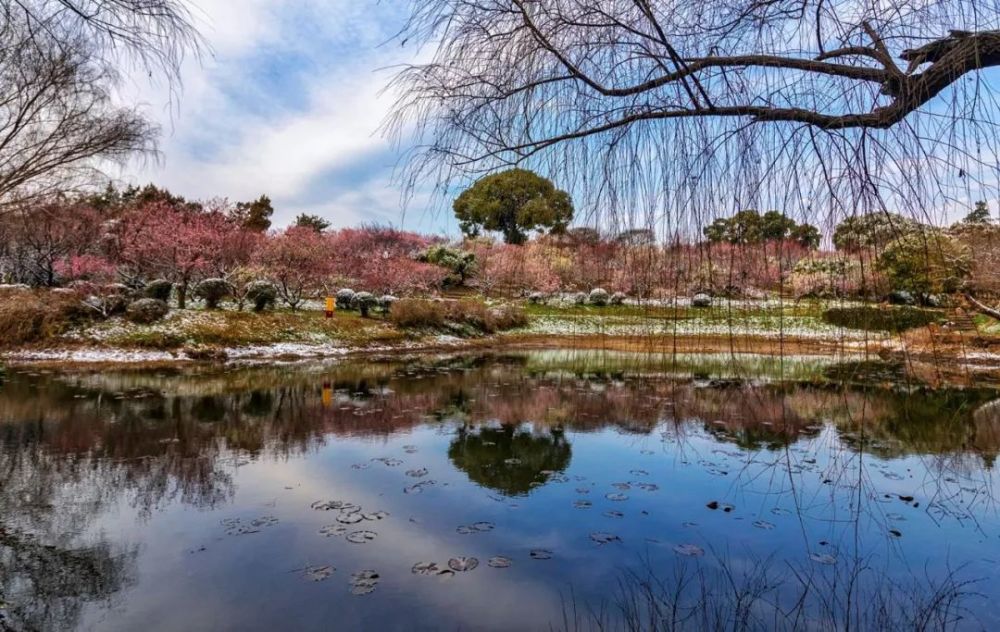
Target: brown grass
(423, 314)
(28, 316)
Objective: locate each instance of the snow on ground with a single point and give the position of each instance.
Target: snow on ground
(94, 355)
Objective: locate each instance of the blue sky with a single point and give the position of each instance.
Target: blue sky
(288, 104)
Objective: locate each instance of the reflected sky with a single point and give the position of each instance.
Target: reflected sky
(208, 498)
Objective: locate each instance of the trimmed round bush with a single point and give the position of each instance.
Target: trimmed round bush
(345, 298)
(213, 291)
(599, 297)
(536, 298)
(701, 300)
(146, 310)
(618, 298)
(901, 297)
(364, 302)
(159, 289)
(262, 294)
(580, 298)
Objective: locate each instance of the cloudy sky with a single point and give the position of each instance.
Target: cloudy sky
(288, 104)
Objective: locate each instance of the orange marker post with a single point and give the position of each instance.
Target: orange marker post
(329, 307)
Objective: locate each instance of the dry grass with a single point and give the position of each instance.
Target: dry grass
(423, 314)
(28, 316)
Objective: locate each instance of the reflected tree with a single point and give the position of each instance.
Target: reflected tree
(508, 459)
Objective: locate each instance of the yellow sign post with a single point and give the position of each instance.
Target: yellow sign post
(329, 307)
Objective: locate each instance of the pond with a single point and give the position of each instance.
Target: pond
(529, 491)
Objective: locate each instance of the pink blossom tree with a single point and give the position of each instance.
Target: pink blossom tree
(158, 239)
(299, 262)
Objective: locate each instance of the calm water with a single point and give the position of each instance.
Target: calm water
(545, 491)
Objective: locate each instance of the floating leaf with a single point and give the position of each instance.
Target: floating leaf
(361, 466)
(462, 564)
(582, 504)
(823, 558)
(621, 486)
(333, 530)
(364, 582)
(647, 487)
(417, 473)
(638, 472)
(464, 530)
(349, 518)
(690, 550)
(483, 526)
(317, 573)
(499, 561)
(602, 537)
(417, 488)
(763, 524)
(617, 497)
(614, 514)
(376, 515)
(540, 554)
(425, 568)
(361, 537)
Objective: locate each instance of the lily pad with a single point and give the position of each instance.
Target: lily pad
(647, 487)
(621, 486)
(617, 497)
(763, 524)
(417, 473)
(317, 573)
(364, 582)
(823, 558)
(613, 514)
(602, 537)
(376, 515)
(350, 518)
(499, 561)
(582, 504)
(333, 530)
(690, 550)
(540, 554)
(425, 568)
(462, 564)
(483, 526)
(361, 537)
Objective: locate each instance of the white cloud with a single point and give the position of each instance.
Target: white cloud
(290, 95)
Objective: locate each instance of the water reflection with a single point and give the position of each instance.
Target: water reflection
(631, 457)
(509, 459)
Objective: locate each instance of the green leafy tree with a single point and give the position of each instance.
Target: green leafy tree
(871, 230)
(256, 215)
(926, 262)
(775, 226)
(806, 235)
(314, 222)
(979, 215)
(716, 231)
(513, 202)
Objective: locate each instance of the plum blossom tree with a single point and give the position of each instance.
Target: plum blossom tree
(160, 240)
(298, 260)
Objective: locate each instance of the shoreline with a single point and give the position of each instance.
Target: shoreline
(948, 360)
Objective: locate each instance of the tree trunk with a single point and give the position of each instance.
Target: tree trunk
(182, 289)
(983, 309)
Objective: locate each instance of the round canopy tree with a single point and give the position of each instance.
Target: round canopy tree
(513, 202)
